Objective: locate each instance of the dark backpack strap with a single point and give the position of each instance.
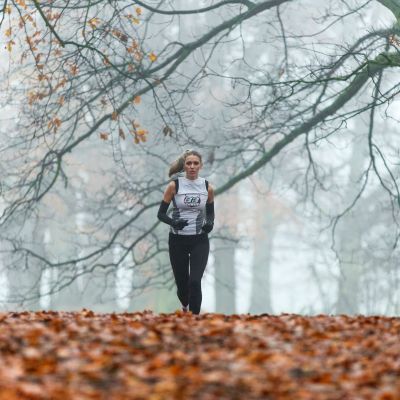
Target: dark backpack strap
(176, 185)
(206, 184)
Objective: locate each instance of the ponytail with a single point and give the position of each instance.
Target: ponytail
(176, 166)
(179, 164)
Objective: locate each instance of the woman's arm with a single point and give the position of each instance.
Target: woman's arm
(169, 193)
(210, 198)
(210, 215)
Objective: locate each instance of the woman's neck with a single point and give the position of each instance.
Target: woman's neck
(191, 178)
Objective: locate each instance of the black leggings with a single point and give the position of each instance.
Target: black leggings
(185, 251)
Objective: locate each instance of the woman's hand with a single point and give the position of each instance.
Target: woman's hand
(208, 227)
(179, 224)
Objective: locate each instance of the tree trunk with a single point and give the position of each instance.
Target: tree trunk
(350, 232)
(225, 286)
(260, 301)
(224, 252)
(24, 279)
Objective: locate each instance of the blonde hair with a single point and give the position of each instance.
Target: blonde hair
(179, 163)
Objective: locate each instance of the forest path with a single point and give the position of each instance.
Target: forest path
(83, 355)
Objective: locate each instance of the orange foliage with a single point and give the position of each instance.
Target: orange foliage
(57, 72)
(94, 22)
(152, 57)
(139, 134)
(54, 124)
(133, 19)
(21, 3)
(10, 45)
(62, 355)
(121, 134)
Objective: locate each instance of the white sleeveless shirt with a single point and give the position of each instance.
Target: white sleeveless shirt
(189, 203)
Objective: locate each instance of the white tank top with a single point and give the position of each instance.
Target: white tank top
(189, 203)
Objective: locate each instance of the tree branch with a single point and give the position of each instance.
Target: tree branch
(393, 6)
(370, 69)
(195, 11)
(46, 21)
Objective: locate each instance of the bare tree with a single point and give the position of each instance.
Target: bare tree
(85, 73)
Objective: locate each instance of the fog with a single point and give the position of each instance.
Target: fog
(294, 107)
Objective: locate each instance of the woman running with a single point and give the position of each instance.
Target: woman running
(191, 220)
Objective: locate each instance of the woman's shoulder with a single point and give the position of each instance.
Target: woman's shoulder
(207, 182)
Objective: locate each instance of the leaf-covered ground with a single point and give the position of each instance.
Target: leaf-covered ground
(60, 355)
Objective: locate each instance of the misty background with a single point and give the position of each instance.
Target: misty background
(294, 107)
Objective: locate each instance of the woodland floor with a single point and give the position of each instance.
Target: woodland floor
(82, 355)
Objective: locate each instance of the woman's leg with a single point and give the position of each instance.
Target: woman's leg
(179, 257)
(198, 261)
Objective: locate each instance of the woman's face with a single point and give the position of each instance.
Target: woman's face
(192, 166)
